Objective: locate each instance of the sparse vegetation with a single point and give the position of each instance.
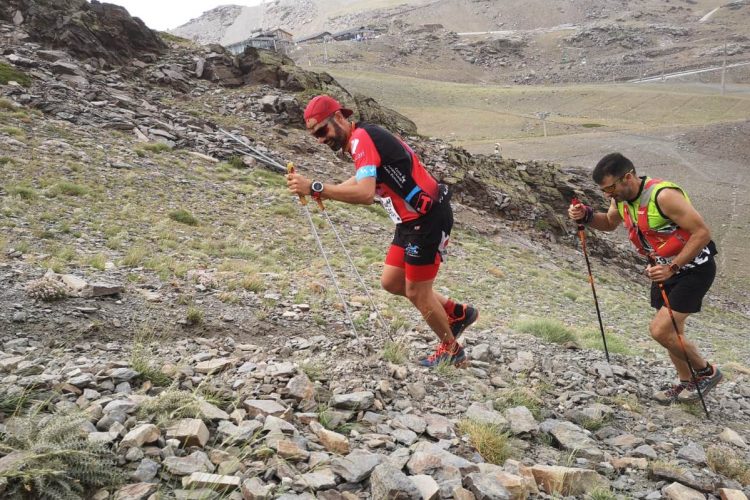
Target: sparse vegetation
(194, 316)
(54, 458)
(156, 147)
(135, 256)
(22, 191)
(183, 217)
(395, 352)
(446, 369)
(9, 73)
(729, 463)
(142, 359)
(169, 405)
(98, 261)
(488, 439)
(314, 371)
(47, 289)
(600, 493)
(518, 396)
(236, 162)
(68, 188)
(547, 329)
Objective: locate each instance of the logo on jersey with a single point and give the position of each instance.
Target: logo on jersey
(412, 250)
(355, 143)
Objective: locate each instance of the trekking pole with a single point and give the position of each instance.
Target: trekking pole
(303, 202)
(664, 296)
(275, 165)
(582, 237)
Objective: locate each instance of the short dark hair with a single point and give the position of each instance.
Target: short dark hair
(613, 164)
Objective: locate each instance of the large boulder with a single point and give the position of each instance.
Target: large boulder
(99, 31)
(277, 70)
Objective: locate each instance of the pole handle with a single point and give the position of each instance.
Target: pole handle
(576, 201)
(290, 170)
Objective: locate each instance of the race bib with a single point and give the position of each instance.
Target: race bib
(387, 203)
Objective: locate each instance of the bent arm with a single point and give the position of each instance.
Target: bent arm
(602, 221)
(674, 205)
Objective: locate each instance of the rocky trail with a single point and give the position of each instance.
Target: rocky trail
(167, 329)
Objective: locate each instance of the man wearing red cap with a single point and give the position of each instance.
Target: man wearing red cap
(388, 169)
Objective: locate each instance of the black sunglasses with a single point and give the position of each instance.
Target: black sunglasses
(322, 131)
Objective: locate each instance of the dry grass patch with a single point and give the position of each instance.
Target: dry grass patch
(22, 191)
(142, 358)
(727, 462)
(488, 439)
(98, 261)
(395, 352)
(194, 316)
(518, 396)
(68, 188)
(135, 256)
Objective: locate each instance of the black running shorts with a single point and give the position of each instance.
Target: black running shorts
(686, 289)
(425, 238)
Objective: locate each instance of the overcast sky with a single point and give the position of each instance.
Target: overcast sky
(166, 14)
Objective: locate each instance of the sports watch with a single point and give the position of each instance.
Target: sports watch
(316, 189)
(674, 268)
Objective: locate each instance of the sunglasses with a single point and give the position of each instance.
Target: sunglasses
(323, 130)
(612, 187)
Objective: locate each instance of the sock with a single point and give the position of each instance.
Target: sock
(705, 372)
(450, 308)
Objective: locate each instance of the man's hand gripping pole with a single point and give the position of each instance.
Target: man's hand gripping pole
(302, 199)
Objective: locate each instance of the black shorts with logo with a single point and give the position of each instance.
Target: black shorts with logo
(424, 238)
(686, 289)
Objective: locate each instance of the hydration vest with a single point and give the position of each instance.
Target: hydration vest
(651, 231)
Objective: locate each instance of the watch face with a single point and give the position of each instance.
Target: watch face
(317, 186)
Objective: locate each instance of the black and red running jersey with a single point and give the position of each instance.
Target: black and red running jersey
(406, 189)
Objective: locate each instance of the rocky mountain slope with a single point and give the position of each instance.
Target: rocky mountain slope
(169, 331)
(508, 42)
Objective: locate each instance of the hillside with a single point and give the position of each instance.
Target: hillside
(480, 41)
(168, 327)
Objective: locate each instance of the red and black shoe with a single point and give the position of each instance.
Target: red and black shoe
(450, 353)
(463, 317)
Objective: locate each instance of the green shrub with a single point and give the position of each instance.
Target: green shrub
(518, 396)
(169, 405)
(22, 191)
(236, 162)
(727, 462)
(141, 360)
(9, 73)
(184, 217)
(547, 329)
(55, 459)
(14, 131)
(491, 443)
(194, 316)
(68, 188)
(98, 261)
(156, 147)
(395, 352)
(7, 105)
(135, 256)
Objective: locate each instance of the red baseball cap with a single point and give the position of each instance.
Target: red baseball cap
(321, 107)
